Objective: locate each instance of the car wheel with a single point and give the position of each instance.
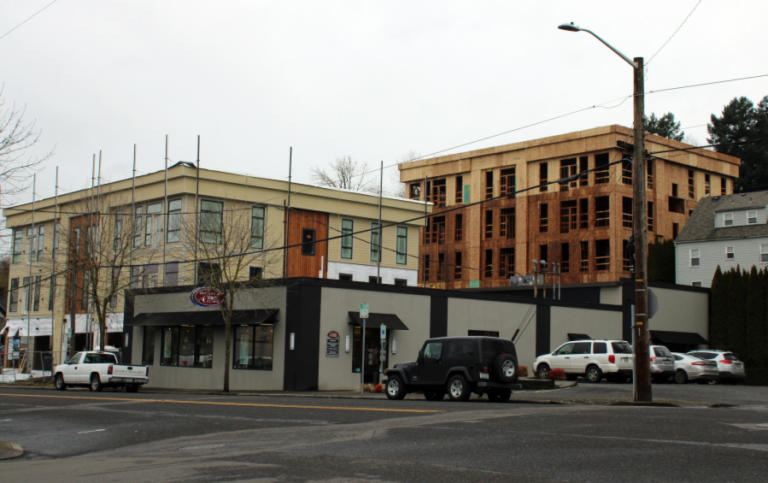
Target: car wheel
(542, 372)
(505, 368)
(593, 374)
(434, 395)
(500, 395)
(458, 389)
(681, 377)
(395, 388)
(58, 383)
(95, 384)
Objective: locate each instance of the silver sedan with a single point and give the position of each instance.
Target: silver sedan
(689, 367)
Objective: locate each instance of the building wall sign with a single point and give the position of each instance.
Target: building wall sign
(206, 296)
(332, 344)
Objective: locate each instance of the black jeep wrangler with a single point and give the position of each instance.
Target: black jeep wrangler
(458, 366)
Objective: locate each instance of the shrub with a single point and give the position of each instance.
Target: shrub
(557, 374)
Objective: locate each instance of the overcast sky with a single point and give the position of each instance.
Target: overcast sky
(372, 80)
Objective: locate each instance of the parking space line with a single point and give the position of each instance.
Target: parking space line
(221, 403)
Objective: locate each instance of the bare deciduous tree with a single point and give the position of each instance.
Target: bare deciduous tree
(344, 173)
(16, 139)
(228, 244)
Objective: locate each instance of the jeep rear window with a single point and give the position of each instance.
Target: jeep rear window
(498, 346)
(621, 348)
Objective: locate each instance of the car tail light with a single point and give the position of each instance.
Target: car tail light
(484, 369)
(653, 358)
(109, 370)
(612, 359)
(725, 361)
(698, 363)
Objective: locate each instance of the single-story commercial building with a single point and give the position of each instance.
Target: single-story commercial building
(306, 334)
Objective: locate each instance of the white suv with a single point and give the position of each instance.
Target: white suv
(592, 359)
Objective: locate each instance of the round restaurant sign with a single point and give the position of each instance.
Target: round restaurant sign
(333, 334)
(206, 296)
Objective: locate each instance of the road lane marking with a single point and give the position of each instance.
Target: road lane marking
(220, 403)
(92, 431)
(5, 420)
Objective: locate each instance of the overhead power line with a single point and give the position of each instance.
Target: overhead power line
(26, 20)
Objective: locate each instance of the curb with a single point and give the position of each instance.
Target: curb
(10, 450)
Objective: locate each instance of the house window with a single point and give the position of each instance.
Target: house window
(568, 219)
(650, 217)
(211, 213)
(602, 174)
(506, 262)
(694, 256)
(488, 224)
(507, 182)
(751, 218)
(691, 188)
(764, 252)
(208, 274)
(414, 191)
(626, 170)
(426, 267)
(722, 186)
(401, 247)
(626, 212)
(543, 174)
(117, 242)
(347, 227)
(488, 185)
(627, 261)
(583, 171)
(171, 276)
(602, 254)
(257, 227)
(649, 173)
(152, 225)
(730, 253)
(543, 253)
(727, 219)
(507, 223)
(706, 185)
(459, 228)
(253, 347)
(584, 256)
(567, 170)
(602, 211)
(187, 346)
(375, 242)
(148, 346)
(13, 295)
(438, 192)
(565, 257)
(459, 190)
(457, 266)
(36, 243)
(308, 241)
(675, 230)
(173, 234)
(543, 217)
(18, 244)
(36, 295)
(488, 264)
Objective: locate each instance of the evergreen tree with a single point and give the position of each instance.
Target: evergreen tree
(661, 261)
(664, 126)
(742, 130)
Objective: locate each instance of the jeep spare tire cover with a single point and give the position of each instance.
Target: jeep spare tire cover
(505, 368)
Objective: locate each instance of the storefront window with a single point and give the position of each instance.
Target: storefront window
(204, 347)
(170, 344)
(148, 346)
(187, 346)
(253, 347)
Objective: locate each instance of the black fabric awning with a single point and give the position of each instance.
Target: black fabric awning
(392, 321)
(575, 336)
(206, 317)
(680, 338)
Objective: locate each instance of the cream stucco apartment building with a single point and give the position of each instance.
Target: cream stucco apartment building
(173, 227)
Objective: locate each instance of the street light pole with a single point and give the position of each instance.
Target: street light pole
(642, 361)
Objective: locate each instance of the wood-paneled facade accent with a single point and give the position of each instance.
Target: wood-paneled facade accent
(307, 258)
(499, 208)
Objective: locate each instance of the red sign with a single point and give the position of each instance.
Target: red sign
(207, 296)
(333, 334)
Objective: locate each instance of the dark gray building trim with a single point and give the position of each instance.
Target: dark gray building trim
(438, 316)
(302, 318)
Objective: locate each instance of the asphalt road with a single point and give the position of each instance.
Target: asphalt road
(707, 433)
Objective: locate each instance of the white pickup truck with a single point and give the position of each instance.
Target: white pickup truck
(97, 369)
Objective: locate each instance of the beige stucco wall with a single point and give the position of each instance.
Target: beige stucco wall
(335, 373)
(611, 295)
(212, 378)
(597, 324)
(504, 317)
(681, 311)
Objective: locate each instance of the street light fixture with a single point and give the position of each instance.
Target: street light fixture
(640, 339)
